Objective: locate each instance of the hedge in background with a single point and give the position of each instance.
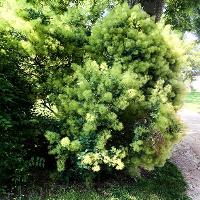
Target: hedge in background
(16, 101)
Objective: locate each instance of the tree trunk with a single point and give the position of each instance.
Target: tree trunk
(152, 7)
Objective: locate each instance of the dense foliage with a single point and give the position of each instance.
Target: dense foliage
(17, 99)
(102, 83)
(118, 109)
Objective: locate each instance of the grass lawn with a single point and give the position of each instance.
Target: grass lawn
(164, 183)
(192, 101)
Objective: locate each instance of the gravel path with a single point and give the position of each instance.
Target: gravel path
(186, 154)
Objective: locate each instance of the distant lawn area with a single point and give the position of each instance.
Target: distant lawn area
(165, 183)
(192, 101)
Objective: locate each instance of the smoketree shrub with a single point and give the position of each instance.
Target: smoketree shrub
(119, 107)
(113, 86)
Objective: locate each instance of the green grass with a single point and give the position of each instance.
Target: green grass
(192, 101)
(164, 183)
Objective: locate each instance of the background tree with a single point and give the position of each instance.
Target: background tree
(194, 60)
(152, 7)
(183, 15)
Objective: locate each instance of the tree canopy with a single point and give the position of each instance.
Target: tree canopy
(183, 15)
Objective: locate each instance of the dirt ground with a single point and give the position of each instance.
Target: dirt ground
(186, 154)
